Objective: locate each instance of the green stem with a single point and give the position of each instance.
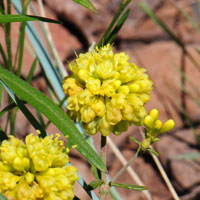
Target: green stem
(8, 37)
(122, 170)
(104, 188)
(21, 39)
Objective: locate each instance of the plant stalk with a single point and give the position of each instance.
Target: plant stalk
(123, 169)
(104, 188)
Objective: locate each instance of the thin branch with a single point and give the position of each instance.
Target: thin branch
(124, 162)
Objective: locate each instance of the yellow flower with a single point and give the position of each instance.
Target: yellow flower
(106, 91)
(154, 127)
(36, 169)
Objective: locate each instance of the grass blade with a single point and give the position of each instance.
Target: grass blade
(44, 105)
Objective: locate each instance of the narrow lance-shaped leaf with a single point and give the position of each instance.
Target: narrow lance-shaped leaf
(0, 93)
(8, 108)
(118, 26)
(95, 184)
(87, 4)
(129, 186)
(115, 19)
(25, 18)
(55, 114)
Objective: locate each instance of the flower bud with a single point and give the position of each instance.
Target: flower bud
(154, 114)
(148, 121)
(158, 124)
(167, 126)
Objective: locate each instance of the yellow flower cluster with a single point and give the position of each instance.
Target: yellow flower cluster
(106, 92)
(154, 127)
(36, 169)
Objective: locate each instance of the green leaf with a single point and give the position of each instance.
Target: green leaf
(153, 151)
(95, 184)
(95, 172)
(7, 108)
(24, 110)
(129, 186)
(52, 111)
(87, 4)
(2, 8)
(118, 26)
(135, 140)
(3, 55)
(32, 70)
(2, 197)
(112, 24)
(1, 93)
(12, 119)
(25, 18)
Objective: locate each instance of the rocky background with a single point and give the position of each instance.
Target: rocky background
(150, 47)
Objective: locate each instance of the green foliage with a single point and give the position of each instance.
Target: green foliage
(115, 24)
(24, 18)
(129, 186)
(95, 184)
(44, 105)
(87, 4)
(32, 70)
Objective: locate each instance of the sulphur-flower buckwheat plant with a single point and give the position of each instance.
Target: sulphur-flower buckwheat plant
(36, 169)
(106, 92)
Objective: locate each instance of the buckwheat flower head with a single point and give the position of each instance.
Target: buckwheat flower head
(36, 169)
(106, 92)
